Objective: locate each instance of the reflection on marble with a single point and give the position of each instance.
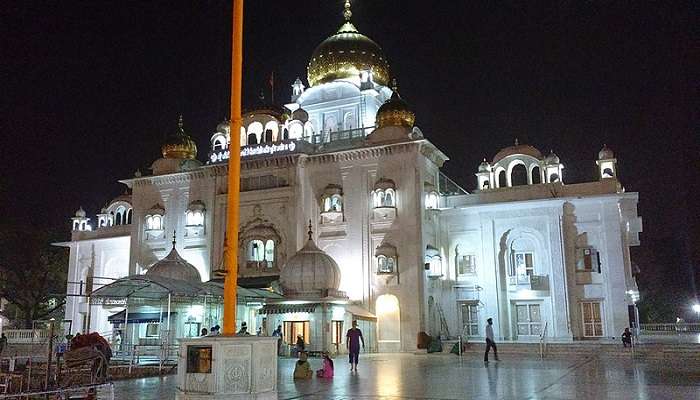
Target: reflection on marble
(408, 376)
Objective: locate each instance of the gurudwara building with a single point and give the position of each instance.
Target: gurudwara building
(345, 215)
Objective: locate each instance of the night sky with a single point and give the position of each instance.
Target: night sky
(90, 89)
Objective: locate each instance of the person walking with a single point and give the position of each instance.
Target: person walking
(354, 337)
(490, 341)
(3, 342)
(278, 334)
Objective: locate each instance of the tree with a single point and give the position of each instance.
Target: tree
(32, 272)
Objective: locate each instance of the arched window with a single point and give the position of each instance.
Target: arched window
(219, 143)
(554, 178)
(336, 203)
(194, 218)
(434, 261)
(385, 257)
(296, 130)
(502, 181)
(485, 185)
(348, 121)
(244, 137)
(327, 204)
(154, 222)
(431, 200)
(256, 250)
(285, 134)
(536, 178)
(518, 175)
(255, 132)
(270, 252)
(389, 198)
(271, 131)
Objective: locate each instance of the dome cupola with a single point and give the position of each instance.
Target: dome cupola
(606, 153)
(311, 273)
(179, 145)
(552, 158)
(346, 55)
(173, 266)
(484, 166)
(395, 112)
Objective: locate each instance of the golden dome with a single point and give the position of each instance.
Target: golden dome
(179, 145)
(395, 112)
(346, 54)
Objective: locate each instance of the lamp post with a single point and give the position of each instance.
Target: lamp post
(234, 173)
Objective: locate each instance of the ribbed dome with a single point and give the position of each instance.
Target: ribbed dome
(310, 273)
(179, 145)
(175, 267)
(395, 112)
(524, 149)
(346, 54)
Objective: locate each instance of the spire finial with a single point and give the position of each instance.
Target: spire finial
(180, 124)
(347, 13)
(310, 232)
(516, 141)
(173, 240)
(394, 85)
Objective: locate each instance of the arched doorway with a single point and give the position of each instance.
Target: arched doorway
(388, 323)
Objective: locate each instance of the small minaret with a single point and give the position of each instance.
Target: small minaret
(607, 163)
(297, 89)
(80, 221)
(104, 219)
(484, 181)
(553, 168)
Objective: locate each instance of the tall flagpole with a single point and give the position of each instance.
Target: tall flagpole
(234, 173)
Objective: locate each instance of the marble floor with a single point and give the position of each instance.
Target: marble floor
(441, 377)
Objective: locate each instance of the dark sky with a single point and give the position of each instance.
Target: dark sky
(89, 90)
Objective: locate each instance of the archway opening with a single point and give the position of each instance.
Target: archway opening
(388, 323)
(518, 175)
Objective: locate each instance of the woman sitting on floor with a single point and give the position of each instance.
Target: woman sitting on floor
(302, 369)
(327, 370)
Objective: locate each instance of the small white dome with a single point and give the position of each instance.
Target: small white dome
(552, 158)
(224, 126)
(300, 114)
(80, 213)
(311, 272)
(484, 166)
(175, 267)
(605, 153)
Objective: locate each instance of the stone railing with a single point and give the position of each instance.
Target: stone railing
(669, 329)
(26, 335)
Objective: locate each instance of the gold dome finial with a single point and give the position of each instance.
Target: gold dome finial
(310, 232)
(394, 85)
(180, 124)
(347, 13)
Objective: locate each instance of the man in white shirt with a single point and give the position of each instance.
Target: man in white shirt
(490, 341)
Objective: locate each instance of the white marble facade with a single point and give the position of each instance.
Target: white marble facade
(523, 248)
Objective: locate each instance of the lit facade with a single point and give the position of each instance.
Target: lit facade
(414, 250)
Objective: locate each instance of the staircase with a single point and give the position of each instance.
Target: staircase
(584, 349)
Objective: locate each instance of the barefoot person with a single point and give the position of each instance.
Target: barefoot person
(490, 341)
(354, 337)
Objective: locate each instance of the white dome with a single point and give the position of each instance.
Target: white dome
(311, 273)
(80, 213)
(551, 158)
(175, 267)
(605, 153)
(484, 166)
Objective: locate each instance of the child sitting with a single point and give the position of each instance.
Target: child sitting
(327, 370)
(302, 369)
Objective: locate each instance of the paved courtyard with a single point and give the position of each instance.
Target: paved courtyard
(408, 376)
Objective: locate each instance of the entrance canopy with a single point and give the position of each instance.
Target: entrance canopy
(139, 317)
(156, 287)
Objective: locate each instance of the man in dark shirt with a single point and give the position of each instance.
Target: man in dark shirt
(354, 337)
